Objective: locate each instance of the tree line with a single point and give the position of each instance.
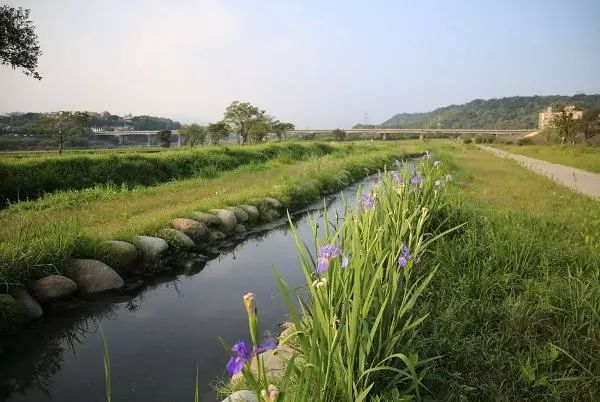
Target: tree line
(515, 112)
(248, 122)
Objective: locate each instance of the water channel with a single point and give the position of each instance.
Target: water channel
(158, 334)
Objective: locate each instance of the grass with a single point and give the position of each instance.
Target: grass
(513, 309)
(39, 237)
(512, 312)
(578, 156)
(27, 177)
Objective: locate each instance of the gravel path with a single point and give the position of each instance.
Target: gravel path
(579, 180)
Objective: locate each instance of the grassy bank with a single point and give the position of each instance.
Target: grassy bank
(513, 308)
(39, 237)
(578, 156)
(29, 177)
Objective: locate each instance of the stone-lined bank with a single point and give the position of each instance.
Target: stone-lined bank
(201, 235)
(198, 236)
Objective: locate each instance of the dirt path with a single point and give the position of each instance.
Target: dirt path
(579, 180)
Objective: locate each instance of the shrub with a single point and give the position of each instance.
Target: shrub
(467, 140)
(31, 178)
(524, 141)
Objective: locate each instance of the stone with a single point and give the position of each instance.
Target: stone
(240, 214)
(269, 215)
(273, 202)
(241, 396)
(251, 210)
(207, 219)
(190, 227)
(274, 361)
(227, 219)
(152, 248)
(93, 276)
(239, 228)
(8, 300)
(178, 239)
(30, 306)
(124, 255)
(53, 287)
(216, 235)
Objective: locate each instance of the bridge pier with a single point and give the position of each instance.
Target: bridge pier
(178, 140)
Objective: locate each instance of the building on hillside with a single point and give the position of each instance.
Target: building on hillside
(546, 117)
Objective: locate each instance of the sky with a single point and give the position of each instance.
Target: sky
(317, 64)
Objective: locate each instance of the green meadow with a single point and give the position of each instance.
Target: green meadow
(498, 299)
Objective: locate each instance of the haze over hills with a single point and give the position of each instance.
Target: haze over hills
(498, 113)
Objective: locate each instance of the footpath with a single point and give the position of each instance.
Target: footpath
(579, 180)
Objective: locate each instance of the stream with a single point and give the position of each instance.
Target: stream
(159, 334)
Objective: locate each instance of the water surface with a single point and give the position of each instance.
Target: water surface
(159, 334)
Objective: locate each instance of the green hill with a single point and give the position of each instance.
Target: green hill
(513, 112)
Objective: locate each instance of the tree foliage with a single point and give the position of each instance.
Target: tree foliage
(61, 126)
(591, 123)
(194, 133)
(164, 137)
(241, 116)
(19, 47)
(280, 128)
(566, 125)
(151, 123)
(338, 135)
(218, 131)
(505, 113)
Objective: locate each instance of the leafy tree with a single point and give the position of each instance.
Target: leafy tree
(280, 128)
(258, 128)
(591, 123)
(240, 116)
(61, 126)
(338, 135)
(218, 131)
(195, 134)
(19, 47)
(151, 123)
(164, 137)
(566, 125)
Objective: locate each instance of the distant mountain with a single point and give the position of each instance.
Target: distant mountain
(504, 113)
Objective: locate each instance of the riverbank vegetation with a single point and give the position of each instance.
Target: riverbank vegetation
(39, 237)
(513, 308)
(357, 324)
(579, 156)
(511, 312)
(27, 177)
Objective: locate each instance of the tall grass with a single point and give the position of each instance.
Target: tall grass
(357, 320)
(30, 178)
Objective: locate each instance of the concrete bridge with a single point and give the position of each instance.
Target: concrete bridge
(422, 131)
(152, 136)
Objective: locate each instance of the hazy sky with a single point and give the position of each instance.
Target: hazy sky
(314, 63)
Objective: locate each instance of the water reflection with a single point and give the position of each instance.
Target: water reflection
(160, 331)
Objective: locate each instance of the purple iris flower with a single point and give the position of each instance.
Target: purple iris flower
(428, 155)
(405, 256)
(326, 254)
(241, 355)
(366, 202)
(415, 180)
